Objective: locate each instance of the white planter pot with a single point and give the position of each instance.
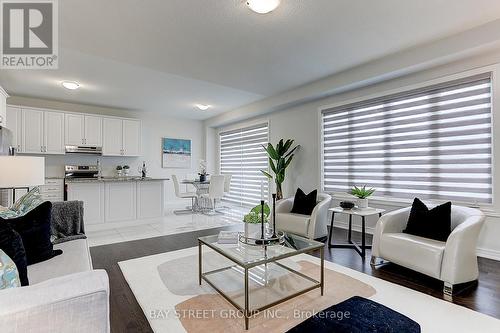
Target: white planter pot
(253, 230)
(362, 203)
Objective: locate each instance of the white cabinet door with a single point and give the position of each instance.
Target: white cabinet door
(120, 201)
(93, 131)
(92, 195)
(112, 144)
(14, 124)
(32, 131)
(131, 137)
(53, 132)
(74, 129)
(149, 199)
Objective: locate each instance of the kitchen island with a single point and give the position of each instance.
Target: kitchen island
(109, 201)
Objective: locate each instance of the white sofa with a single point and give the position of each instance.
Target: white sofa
(311, 226)
(452, 262)
(65, 295)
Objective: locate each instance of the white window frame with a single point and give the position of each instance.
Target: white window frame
(492, 209)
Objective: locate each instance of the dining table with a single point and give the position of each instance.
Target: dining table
(201, 187)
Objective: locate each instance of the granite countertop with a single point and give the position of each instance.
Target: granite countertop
(113, 179)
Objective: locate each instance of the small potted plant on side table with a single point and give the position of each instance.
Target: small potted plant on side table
(362, 193)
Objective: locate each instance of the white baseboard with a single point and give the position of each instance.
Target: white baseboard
(481, 252)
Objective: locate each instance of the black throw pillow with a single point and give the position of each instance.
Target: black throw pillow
(34, 229)
(12, 244)
(434, 223)
(304, 204)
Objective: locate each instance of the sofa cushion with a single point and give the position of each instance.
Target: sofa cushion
(432, 223)
(9, 276)
(294, 223)
(34, 229)
(75, 258)
(421, 254)
(12, 244)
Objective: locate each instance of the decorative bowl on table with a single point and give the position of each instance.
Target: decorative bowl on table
(347, 205)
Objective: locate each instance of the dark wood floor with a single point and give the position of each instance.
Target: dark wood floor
(127, 316)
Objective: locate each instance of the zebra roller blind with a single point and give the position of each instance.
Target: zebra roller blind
(432, 143)
(242, 156)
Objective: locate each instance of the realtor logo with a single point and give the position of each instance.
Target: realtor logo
(29, 34)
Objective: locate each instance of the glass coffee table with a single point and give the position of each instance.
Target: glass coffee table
(255, 278)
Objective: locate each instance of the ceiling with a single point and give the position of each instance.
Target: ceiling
(167, 55)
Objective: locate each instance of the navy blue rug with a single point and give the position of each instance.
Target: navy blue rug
(357, 315)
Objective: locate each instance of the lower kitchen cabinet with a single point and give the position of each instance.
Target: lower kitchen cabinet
(92, 195)
(120, 201)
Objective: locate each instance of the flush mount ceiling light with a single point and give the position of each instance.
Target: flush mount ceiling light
(71, 85)
(263, 6)
(202, 107)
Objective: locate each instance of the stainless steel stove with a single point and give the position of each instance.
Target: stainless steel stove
(81, 171)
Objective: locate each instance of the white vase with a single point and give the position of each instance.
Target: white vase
(253, 230)
(362, 203)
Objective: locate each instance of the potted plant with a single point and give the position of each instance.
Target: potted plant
(280, 158)
(126, 170)
(362, 193)
(253, 221)
(119, 170)
(203, 171)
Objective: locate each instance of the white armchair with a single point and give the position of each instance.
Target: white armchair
(311, 226)
(452, 262)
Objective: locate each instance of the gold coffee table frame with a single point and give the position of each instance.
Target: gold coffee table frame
(310, 246)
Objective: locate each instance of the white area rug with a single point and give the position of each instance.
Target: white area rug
(433, 315)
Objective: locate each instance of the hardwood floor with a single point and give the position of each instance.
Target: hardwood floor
(127, 316)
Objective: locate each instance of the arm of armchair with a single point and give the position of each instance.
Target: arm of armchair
(460, 260)
(394, 221)
(72, 303)
(319, 216)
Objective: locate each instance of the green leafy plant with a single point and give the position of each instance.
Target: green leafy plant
(119, 167)
(280, 158)
(362, 192)
(254, 216)
(126, 167)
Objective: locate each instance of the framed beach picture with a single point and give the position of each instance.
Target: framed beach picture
(176, 153)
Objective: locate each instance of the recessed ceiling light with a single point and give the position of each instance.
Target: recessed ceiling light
(71, 85)
(202, 107)
(263, 6)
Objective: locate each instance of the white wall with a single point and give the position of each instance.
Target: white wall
(154, 127)
(302, 123)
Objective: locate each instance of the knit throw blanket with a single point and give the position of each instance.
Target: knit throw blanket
(67, 221)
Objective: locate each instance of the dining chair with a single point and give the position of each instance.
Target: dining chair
(227, 186)
(215, 192)
(183, 195)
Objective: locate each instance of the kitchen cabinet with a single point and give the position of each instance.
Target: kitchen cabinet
(32, 131)
(83, 130)
(122, 137)
(53, 190)
(53, 133)
(3, 107)
(42, 132)
(120, 201)
(14, 124)
(92, 195)
(150, 199)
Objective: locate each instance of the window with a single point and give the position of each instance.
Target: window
(432, 143)
(242, 156)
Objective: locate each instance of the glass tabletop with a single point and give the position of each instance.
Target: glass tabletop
(250, 256)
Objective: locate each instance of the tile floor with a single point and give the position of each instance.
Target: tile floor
(169, 224)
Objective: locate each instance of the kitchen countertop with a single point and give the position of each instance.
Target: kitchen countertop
(113, 179)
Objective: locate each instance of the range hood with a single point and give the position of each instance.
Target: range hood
(87, 150)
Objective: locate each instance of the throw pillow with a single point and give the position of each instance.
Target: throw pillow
(28, 202)
(432, 223)
(34, 228)
(304, 203)
(12, 244)
(9, 277)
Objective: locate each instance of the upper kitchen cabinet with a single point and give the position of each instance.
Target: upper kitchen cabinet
(42, 132)
(122, 137)
(3, 107)
(14, 124)
(83, 130)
